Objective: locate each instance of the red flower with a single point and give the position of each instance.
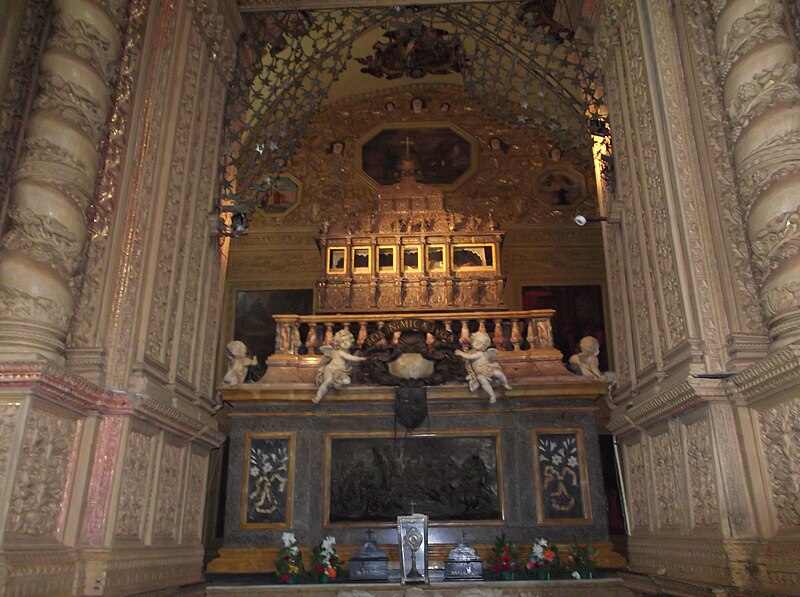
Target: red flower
(320, 568)
(284, 578)
(505, 548)
(497, 567)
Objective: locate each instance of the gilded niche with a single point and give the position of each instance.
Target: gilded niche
(483, 167)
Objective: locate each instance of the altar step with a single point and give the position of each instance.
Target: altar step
(608, 586)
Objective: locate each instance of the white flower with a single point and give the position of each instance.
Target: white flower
(556, 459)
(543, 542)
(538, 551)
(572, 461)
(295, 550)
(576, 575)
(328, 543)
(288, 539)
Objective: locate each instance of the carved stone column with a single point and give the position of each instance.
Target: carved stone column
(759, 68)
(54, 181)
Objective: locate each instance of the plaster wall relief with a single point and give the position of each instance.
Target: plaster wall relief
(40, 489)
(757, 63)
(9, 414)
(780, 446)
(167, 499)
(54, 181)
(665, 478)
(135, 485)
(697, 450)
(99, 513)
(192, 527)
(636, 480)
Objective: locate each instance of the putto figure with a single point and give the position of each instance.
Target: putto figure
(481, 368)
(585, 362)
(238, 362)
(334, 369)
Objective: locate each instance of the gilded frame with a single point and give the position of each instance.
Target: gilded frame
(386, 270)
(291, 441)
(328, 439)
(443, 266)
(361, 270)
(329, 256)
(412, 270)
(581, 474)
(473, 268)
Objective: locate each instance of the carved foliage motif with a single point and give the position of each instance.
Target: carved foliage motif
(105, 463)
(716, 138)
(40, 486)
(777, 300)
(21, 306)
(766, 88)
(8, 426)
(665, 481)
(780, 444)
(81, 39)
(169, 491)
(702, 476)
(758, 26)
(172, 243)
(134, 486)
(195, 498)
(73, 102)
(637, 485)
(656, 228)
(778, 241)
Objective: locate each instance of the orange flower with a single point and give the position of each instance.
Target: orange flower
(331, 572)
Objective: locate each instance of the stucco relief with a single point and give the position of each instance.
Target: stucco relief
(702, 476)
(767, 88)
(637, 485)
(169, 491)
(8, 426)
(82, 39)
(73, 101)
(665, 481)
(40, 485)
(195, 498)
(18, 305)
(135, 484)
(98, 498)
(778, 241)
(780, 444)
(758, 26)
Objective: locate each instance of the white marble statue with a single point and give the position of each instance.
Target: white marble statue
(585, 362)
(334, 369)
(481, 368)
(238, 362)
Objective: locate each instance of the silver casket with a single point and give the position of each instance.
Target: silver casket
(463, 563)
(369, 562)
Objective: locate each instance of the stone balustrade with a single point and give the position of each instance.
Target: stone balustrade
(511, 331)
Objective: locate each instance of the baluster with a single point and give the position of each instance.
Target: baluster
(395, 338)
(429, 339)
(296, 343)
(482, 325)
(545, 333)
(448, 325)
(516, 337)
(464, 337)
(282, 338)
(311, 338)
(498, 338)
(362, 334)
(531, 337)
(328, 339)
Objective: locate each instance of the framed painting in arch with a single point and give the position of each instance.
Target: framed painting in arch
(560, 477)
(267, 480)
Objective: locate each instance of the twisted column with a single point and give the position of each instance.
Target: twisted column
(54, 182)
(758, 63)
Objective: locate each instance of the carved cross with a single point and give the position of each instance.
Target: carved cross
(408, 143)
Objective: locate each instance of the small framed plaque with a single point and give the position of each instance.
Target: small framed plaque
(337, 260)
(362, 260)
(411, 259)
(412, 539)
(387, 260)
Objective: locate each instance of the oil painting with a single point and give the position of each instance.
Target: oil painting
(284, 197)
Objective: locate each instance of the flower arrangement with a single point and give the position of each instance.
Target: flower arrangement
(543, 559)
(504, 560)
(325, 563)
(582, 560)
(289, 565)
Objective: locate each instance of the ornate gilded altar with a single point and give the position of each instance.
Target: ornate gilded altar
(411, 255)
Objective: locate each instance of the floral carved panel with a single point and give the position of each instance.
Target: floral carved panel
(136, 479)
(780, 445)
(169, 491)
(702, 476)
(195, 498)
(8, 424)
(637, 485)
(665, 481)
(40, 489)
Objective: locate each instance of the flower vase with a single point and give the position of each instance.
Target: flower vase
(324, 579)
(508, 576)
(292, 580)
(542, 575)
(585, 574)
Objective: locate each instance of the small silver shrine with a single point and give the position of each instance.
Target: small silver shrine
(369, 562)
(463, 563)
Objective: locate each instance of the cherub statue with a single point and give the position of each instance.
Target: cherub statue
(334, 368)
(585, 362)
(238, 362)
(481, 368)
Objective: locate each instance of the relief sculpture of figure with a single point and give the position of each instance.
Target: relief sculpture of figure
(585, 362)
(238, 362)
(334, 368)
(481, 368)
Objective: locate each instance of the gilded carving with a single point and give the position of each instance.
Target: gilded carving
(40, 485)
(99, 495)
(665, 481)
(780, 444)
(702, 476)
(135, 485)
(169, 491)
